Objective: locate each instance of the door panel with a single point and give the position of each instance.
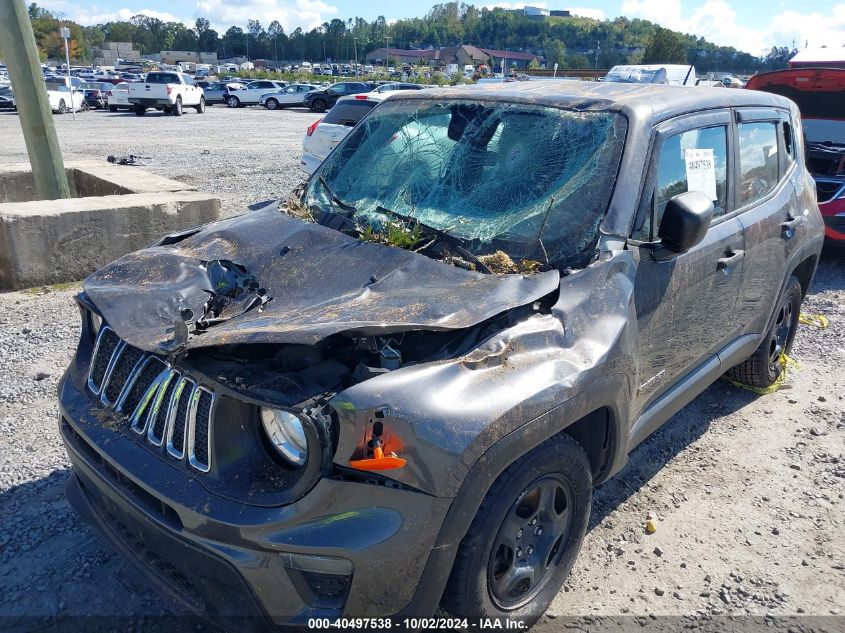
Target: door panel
(685, 307)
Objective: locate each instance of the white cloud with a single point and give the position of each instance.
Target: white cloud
(92, 14)
(291, 14)
(717, 22)
(587, 12)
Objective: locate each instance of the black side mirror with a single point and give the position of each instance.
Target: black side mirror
(685, 221)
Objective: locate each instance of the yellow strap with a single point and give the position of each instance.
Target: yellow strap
(785, 361)
(816, 320)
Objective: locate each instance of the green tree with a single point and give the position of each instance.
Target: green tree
(665, 47)
(556, 54)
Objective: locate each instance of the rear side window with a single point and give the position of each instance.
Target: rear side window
(162, 78)
(694, 160)
(758, 160)
(348, 112)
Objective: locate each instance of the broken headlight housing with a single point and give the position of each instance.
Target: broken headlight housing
(286, 435)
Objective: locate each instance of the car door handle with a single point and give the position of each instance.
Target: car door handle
(729, 261)
(787, 229)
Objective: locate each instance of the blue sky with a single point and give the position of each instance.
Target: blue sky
(749, 25)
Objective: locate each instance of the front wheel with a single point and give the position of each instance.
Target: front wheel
(139, 110)
(233, 102)
(525, 536)
(201, 106)
(62, 106)
(271, 104)
(176, 109)
(318, 105)
(112, 108)
(764, 367)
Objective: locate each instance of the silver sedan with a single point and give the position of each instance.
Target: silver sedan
(293, 95)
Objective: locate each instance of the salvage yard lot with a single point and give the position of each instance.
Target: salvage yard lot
(242, 156)
(748, 490)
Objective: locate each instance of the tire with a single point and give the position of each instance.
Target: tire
(763, 368)
(233, 102)
(62, 107)
(318, 105)
(271, 104)
(200, 108)
(176, 109)
(139, 110)
(112, 108)
(535, 513)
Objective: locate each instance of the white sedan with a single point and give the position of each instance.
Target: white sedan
(253, 91)
(118, 97)
(63, 99)
(293, 95)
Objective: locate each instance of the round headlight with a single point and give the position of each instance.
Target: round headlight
(286, 434)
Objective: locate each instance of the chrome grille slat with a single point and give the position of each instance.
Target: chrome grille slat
(159, 414)
(101, 357)
(169, 409)
(199, 429)
(177, 421)
(123, 364)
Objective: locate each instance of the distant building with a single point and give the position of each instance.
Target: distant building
(560, 13)
(174, 57)
(462, 55)
(111, 52)
(536, 12)
(816, 57)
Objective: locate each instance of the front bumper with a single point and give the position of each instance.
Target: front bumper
(344, 549)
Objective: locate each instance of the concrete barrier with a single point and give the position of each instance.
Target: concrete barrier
(53, 241)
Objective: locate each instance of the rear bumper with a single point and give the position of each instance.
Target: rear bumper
(150, 103)
(344, 549)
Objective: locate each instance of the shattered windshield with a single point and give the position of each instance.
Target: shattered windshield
(528, 180)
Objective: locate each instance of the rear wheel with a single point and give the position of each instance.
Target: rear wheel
(271, 104)
(176, 109)
(139, 110)
(764, 366)
(62, 106)
(525, 536)
(201, 106)
(112, 108)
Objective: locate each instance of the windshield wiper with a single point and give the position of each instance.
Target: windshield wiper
(334, 198)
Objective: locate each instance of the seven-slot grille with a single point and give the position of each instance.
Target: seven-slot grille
(164, 405)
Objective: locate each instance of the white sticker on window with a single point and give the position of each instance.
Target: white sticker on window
(701, 171)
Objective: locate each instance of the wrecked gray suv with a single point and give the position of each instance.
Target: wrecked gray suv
(395, 392)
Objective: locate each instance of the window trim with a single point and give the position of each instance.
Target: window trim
(755, 115)
(663, 131)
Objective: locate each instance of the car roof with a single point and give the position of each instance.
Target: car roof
(654, 102)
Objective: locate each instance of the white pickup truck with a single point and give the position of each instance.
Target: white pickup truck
(167, 91)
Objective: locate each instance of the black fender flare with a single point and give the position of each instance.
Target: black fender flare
(611, 393)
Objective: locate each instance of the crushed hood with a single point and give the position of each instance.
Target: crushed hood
(282, 280)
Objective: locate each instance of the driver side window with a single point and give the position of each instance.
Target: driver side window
(693, 160)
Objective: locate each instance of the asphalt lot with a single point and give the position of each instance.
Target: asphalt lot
(748, 489)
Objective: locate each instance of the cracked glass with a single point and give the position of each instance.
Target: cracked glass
(530, 180)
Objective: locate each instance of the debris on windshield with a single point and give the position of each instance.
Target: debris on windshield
(397, 234)
(294, 206)
(501, 263)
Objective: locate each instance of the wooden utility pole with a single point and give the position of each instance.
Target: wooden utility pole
(24, 66)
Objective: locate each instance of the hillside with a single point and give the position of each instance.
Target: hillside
(575, 42)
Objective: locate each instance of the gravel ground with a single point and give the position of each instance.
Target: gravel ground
(243, 156)
(748, 490)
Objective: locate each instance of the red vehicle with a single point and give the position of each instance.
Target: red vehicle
(820, 95)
